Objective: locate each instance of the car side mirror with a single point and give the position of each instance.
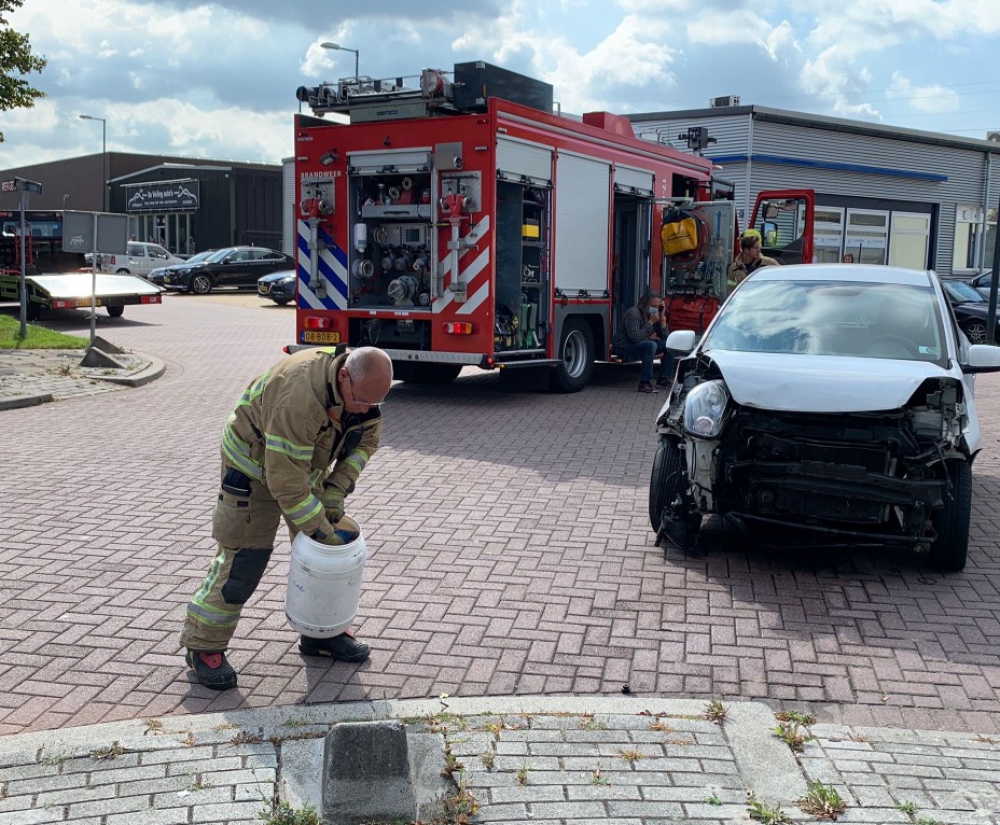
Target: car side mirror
(982, 358)
(681, 340)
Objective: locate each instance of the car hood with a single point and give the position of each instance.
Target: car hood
(276, 276)
(821, 383)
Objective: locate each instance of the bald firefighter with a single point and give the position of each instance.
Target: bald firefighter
(313, 411)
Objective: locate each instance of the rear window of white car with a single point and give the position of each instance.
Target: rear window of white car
(857, 319)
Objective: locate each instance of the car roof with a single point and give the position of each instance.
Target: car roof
(844, 272)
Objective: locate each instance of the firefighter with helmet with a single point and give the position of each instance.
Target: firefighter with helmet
(313, 410)
(750, 259)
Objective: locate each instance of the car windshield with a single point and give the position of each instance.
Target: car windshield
(961, 293)
(845, 318)
(218, 255)
(198, 257)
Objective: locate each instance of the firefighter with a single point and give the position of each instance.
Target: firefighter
(312, 410)
(750, 258)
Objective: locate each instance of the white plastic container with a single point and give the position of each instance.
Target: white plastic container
(324, 584)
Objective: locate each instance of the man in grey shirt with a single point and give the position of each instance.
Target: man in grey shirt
(642, 337)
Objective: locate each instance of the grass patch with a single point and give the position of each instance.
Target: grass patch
(38, 337)
(793, 735)
(822, 801)
(597, 779)
(631, 756)
(805, 719)
(590, 723)
(907, 807)
(112, 751)
(715, 712)
(281, 813)
(759, 812)
(522, 774)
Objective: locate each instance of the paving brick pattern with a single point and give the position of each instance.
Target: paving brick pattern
(612, 766)
(509, 554)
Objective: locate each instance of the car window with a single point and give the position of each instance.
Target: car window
(136, 250)
(158, 252)
(257, 254)
(962, 293)
(219, 255)
(859, 319)
(274, 256)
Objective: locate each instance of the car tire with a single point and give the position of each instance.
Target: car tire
(950, 549)
(576, 356)
(116, 312)
(201, 284)
(665, 481)
(975, 331)
(123, 271)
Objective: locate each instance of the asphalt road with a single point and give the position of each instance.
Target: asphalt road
(509, 554)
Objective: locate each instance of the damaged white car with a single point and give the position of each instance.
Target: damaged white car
(826, 404)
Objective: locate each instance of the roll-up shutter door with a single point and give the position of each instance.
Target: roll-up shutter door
(632, 180)
(288, 210)
(523, 161)
(582, 214)
(403, 161)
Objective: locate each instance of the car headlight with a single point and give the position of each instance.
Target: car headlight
(705, 409)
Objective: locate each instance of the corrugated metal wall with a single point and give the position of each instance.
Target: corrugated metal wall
(257, 208)
(965, 169)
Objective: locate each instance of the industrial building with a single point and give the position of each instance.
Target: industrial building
(885, 194)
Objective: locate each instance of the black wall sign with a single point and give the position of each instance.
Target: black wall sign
(162, 197)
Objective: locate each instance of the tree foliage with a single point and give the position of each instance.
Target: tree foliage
(16, 61)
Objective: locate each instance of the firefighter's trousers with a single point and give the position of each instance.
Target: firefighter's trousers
(244, 523)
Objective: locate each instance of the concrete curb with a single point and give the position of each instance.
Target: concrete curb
(153, 370)
(16, 402)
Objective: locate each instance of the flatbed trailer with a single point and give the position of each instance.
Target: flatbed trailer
(73, 290)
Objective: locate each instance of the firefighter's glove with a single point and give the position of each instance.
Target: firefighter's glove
(333, 503)
(336, 538)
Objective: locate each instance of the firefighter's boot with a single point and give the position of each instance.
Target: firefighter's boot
(212, 669)
(342, 648)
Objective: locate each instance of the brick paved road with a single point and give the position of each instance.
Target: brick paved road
(510, 553)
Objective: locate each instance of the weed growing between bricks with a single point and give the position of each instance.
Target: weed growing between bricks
(759, 812)
(822, 801)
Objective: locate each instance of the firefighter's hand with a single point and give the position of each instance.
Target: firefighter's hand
(333, 539)
(333, 503)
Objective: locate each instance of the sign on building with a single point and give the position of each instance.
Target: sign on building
(163, 196)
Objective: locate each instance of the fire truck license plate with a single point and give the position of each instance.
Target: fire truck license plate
(322, 337)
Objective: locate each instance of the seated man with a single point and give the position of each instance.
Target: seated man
(642, 336)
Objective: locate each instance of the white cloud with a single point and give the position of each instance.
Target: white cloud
(933, 99)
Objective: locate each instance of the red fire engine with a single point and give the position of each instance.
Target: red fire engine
(460, 222)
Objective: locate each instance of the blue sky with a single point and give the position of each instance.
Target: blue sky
(217, 79)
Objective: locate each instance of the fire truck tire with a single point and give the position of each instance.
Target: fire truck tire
(116, 312)
(576, 353)
(425, 373)
(201, 284)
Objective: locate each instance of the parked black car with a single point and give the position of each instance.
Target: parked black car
(971, 309)
(982, 282)
(157, 275)
(233, 266)
(278, 286)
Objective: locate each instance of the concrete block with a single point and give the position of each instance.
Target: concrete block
(96, 357)
(374, 771)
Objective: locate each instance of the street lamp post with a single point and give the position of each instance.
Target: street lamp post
(338, 48)
(104, 159)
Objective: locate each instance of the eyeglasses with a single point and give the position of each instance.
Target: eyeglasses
(357, 400)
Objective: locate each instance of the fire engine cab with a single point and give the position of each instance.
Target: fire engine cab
(456, 220)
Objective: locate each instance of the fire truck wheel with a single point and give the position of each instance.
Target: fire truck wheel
(576, 352)
(116, 312)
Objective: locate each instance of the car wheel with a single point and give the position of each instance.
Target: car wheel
(665, 481)
(123, 271)
(975, 331)
(201, 284)
(425, 373)
(576, 353)
(116, 312)
(950, 549)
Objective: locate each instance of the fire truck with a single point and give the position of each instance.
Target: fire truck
(456, 220)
